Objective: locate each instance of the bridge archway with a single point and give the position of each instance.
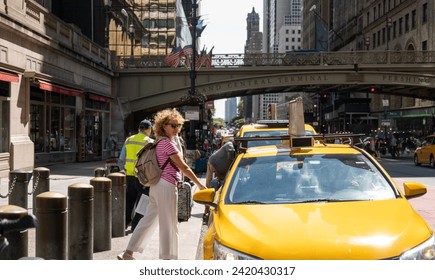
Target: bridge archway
(409, 84)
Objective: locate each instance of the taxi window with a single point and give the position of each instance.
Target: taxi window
(264, 134)
(287, 179)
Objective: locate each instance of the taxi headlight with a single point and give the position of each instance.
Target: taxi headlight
(424, 251)
(222, 252)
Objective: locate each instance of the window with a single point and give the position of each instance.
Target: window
(424, 45)
(406, 22)
(4, 116)
(379, 37)
(383, 35)
(52, 121)
(394, 29)
(424, 13)
(413, 19)
(400, 26)
(374, 40)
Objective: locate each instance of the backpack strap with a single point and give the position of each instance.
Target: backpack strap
(167, 161)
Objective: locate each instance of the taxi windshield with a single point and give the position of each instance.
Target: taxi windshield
(307, 178)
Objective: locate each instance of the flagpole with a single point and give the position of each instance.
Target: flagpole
(193, 66)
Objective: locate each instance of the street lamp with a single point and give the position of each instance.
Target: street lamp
(389, 22)
(107, 7)
(131, 31)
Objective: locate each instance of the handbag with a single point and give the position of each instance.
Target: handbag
(142, 204)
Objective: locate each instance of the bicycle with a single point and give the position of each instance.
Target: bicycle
(10, 225)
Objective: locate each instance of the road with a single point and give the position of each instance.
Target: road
(404, 170)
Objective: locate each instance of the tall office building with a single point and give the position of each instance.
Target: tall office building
(276, 15)
(230, 109)
(253, 45)
(281, 32)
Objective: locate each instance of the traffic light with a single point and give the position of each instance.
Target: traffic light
(324, 98)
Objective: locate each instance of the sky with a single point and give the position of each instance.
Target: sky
(226, 29)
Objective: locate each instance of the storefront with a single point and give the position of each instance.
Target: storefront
(53, 110)
(5, 93)
(95, 128)
(67, 124)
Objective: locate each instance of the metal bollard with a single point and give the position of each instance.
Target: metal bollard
(119, 189)
(18, 187)
(18, 240)
(51, 233)
(80, 221)
(100, 172)
(102, 213)
(41, 182)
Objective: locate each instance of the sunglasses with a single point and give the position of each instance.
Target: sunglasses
(174, 126)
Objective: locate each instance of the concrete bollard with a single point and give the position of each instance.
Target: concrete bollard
(18, 186)
(18, 240)
(41, 182)
(102, 213)
(80, 221)
(51, 233)
(100, 172)
(119, 189)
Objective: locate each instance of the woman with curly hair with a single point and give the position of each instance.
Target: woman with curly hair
(162, 207)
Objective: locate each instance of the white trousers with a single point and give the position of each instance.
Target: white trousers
(162, 207)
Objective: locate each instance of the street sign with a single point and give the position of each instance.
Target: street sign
(386, 122)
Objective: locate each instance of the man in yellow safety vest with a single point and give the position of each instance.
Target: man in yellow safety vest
(127, 160)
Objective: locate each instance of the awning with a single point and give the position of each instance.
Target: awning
(97, 97)
(8, 77)
(59, 89)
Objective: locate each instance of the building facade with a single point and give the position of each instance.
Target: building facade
(387, 25)
(281, 33)
(55, 89)
(254, 43)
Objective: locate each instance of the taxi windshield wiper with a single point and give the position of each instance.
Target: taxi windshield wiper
(249, 202)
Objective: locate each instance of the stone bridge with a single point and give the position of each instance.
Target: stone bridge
(149, 85)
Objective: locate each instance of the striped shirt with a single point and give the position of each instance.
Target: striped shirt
(165, 149)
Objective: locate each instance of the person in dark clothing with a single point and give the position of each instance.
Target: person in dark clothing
(127, 160)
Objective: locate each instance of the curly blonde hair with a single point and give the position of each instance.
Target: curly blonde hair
(163, 117)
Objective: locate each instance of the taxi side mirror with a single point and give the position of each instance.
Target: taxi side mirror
(414, 189)
(205, 197)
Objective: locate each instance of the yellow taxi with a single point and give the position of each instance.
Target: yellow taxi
(312, 200)
(425, 153)
(266, 128)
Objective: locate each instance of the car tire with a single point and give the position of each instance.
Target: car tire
(416, 162)
(432, 162)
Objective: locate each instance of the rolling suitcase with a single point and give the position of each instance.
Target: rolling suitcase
(184, 201)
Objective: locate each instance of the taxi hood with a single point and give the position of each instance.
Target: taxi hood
(332, 230)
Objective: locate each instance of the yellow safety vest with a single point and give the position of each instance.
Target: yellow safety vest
(132, 145)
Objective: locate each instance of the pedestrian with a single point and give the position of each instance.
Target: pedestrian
(377, 147)
(393, 144)
(192, 154)
(163, 205)
(217, 167)
(127, 160)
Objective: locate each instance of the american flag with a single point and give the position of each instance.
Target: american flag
(200, 59)
(208, 59)
(187, 51)
(173, 59)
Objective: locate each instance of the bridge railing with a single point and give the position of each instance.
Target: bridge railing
(296, 58)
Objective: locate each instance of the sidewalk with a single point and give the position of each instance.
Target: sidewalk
(64, 175)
